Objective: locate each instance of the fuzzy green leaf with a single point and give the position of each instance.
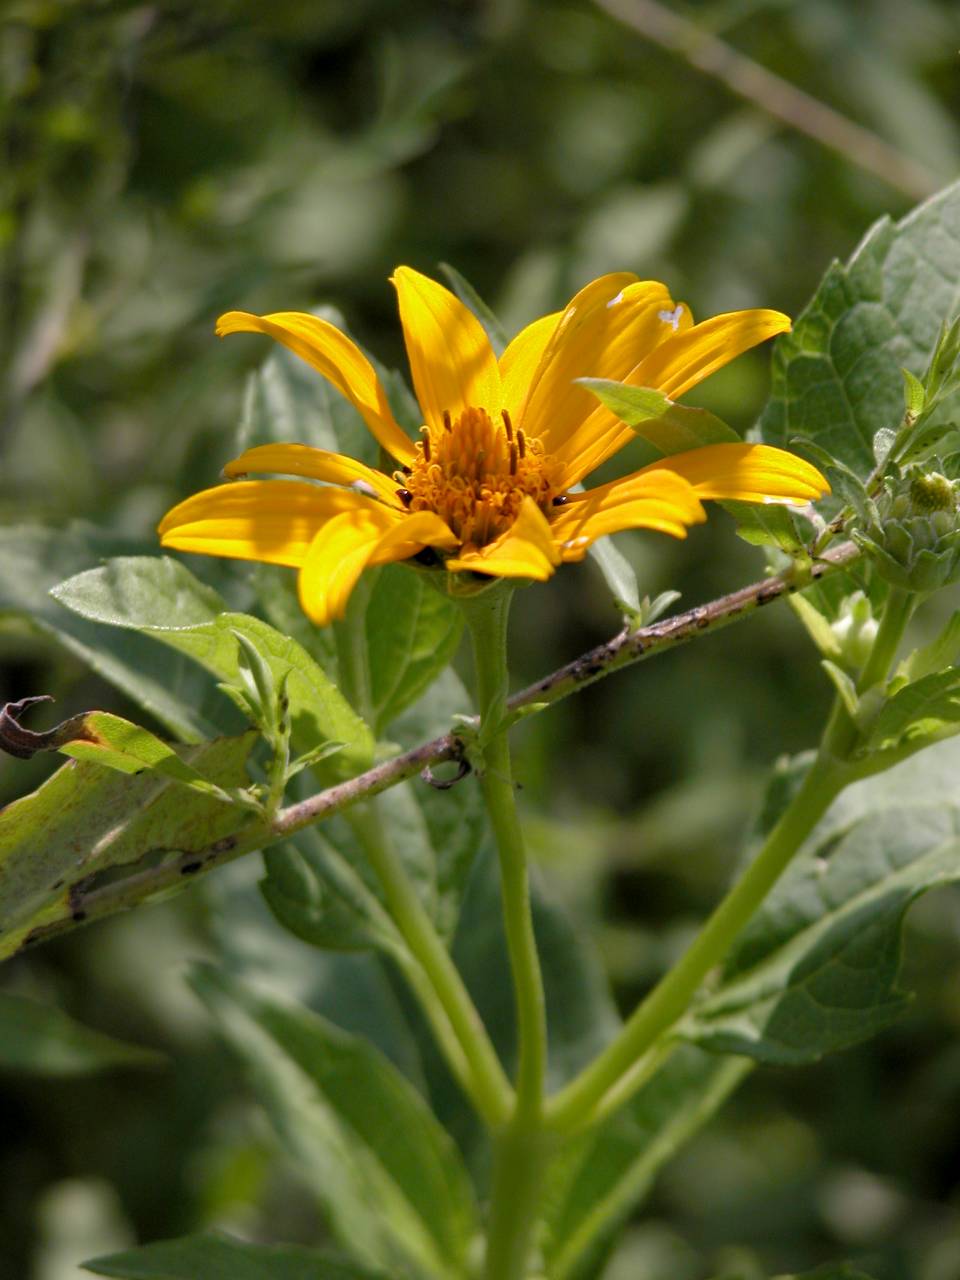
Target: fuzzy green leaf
(120, 593)
(669, 427)
(768, 525)
(618, 573)
(86, 819)
(817, 968)
(921, 709)
(115, 743)
(837, 377)
(412, 634)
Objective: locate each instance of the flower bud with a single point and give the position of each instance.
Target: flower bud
(854, 629)
(914, 537)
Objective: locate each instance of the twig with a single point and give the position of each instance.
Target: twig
(774, 95)
(95, 902)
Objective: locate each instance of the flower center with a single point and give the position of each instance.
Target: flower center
(474, 473)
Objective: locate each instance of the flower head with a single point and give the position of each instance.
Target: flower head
(489, 486)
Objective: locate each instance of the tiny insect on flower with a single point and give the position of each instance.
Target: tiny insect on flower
(489, 486)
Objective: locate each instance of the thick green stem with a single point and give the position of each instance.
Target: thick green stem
(897, 612)
(487, 619)
(520, 1159)
(489, 1088)
(522, 1147)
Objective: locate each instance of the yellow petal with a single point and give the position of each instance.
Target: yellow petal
(746, 473)
(656, 500)
(520, 361)
(678, 363)
(451, 361)
(339, 359)
(351, 542)
(526, 550)
(268, 520)
(314, 464)
(687, 358)
(603, 332)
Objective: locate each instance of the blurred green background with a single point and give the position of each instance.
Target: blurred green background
(164, 162)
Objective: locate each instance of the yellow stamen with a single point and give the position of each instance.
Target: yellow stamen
(475, 473)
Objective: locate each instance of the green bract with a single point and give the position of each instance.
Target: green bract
(913, 536)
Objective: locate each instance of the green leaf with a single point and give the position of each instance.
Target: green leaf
(921, 709)
(412, 633)
(837, 377)
(939, 653)
(844, 686)
(470, 298)
(321, 887)
(315, 887)
(440, 832)
(618, 573)
(120, 593)
(914, 393)
(769, 525)
(602, 1179)
(669, 427)
(117, 744)
(43, 1040)
(817, 625)
(173, 689)
(276, 592)
(390, 1178)
(817, 968)
(86, 819)
(216, 1257)
(352, 990)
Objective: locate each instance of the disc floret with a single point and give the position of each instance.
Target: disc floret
(474, 472)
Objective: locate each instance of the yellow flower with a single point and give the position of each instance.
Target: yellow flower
(488, 488)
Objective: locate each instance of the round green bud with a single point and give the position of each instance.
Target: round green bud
(931, 492)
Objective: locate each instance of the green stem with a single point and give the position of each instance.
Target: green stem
(487, 620)
(897, 612)
(520, 1159)
(522, 1148)
(489, 1087)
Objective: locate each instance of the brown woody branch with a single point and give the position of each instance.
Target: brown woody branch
(95, 902)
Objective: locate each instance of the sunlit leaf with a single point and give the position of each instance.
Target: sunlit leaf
(837, 377)
(120, 593)
(668, 426)
(86, 819)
